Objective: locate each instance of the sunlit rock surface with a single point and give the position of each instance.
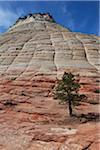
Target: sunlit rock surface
(34, 53)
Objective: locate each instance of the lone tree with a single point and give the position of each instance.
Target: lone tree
(67, 90)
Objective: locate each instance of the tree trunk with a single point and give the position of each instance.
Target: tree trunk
(70, 108)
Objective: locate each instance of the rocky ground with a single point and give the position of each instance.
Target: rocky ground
(34, 53)
(30, 122)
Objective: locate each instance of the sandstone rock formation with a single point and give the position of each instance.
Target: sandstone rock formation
(34, 52)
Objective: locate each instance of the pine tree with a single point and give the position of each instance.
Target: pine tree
(67, 90)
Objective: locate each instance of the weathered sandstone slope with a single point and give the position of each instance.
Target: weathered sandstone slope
(33, 54)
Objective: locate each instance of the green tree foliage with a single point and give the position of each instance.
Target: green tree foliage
(67, 90)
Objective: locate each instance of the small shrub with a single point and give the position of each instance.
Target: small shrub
(97, 91)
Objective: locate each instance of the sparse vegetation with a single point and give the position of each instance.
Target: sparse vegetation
(97, 91)
(67, 90)
(89, 117)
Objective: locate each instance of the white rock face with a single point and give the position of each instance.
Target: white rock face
(63, 131)
(36, 43)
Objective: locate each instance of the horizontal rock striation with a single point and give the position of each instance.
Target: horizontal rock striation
(37, 46)
(34, 53)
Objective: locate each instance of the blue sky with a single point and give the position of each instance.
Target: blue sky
(79, 16)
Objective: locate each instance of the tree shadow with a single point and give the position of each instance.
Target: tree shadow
(89, 117)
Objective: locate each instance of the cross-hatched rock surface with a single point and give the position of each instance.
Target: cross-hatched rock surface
(34, 53)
